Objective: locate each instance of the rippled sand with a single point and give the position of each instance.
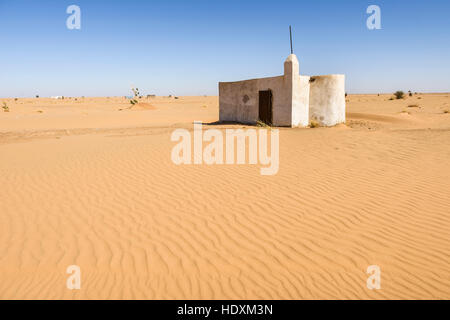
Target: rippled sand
(91, 183)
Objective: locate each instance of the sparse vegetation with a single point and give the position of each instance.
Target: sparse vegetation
(314, 124)
(399, 95)
(37, 96)
(413, 106)
(446, 111)
(410, 93)
(134, 100)
(5, 107)
(260, 123)
(390, 99)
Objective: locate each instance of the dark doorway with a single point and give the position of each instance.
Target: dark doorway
(265, 106)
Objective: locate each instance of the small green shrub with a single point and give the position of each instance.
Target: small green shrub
(399, 95)
(134, 100)
(314, 124)
(5, 107)
(260, 123)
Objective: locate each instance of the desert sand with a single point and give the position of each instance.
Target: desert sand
(90, 182)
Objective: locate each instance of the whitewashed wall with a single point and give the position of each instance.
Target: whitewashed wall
(327, 99)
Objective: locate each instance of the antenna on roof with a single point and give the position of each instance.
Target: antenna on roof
(290, 34)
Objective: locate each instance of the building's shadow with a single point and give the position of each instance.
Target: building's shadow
(224, 123)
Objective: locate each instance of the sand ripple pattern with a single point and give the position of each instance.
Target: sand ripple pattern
(141, 227)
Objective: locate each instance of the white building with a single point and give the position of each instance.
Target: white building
(291, 100)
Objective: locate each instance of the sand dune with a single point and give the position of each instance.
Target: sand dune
(86, 184)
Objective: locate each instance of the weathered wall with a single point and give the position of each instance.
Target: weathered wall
(239, 101)
(327, 99)
(300, 102)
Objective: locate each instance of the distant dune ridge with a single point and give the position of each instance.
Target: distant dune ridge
(90, 182)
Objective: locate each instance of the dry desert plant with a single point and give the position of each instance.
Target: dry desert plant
(399, 94)
(260, 123)
(314, 124)
(134, 100)
(5, 107)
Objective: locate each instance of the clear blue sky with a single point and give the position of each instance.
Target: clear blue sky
(186, 47)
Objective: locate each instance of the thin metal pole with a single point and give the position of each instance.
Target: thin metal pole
(290, 34)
